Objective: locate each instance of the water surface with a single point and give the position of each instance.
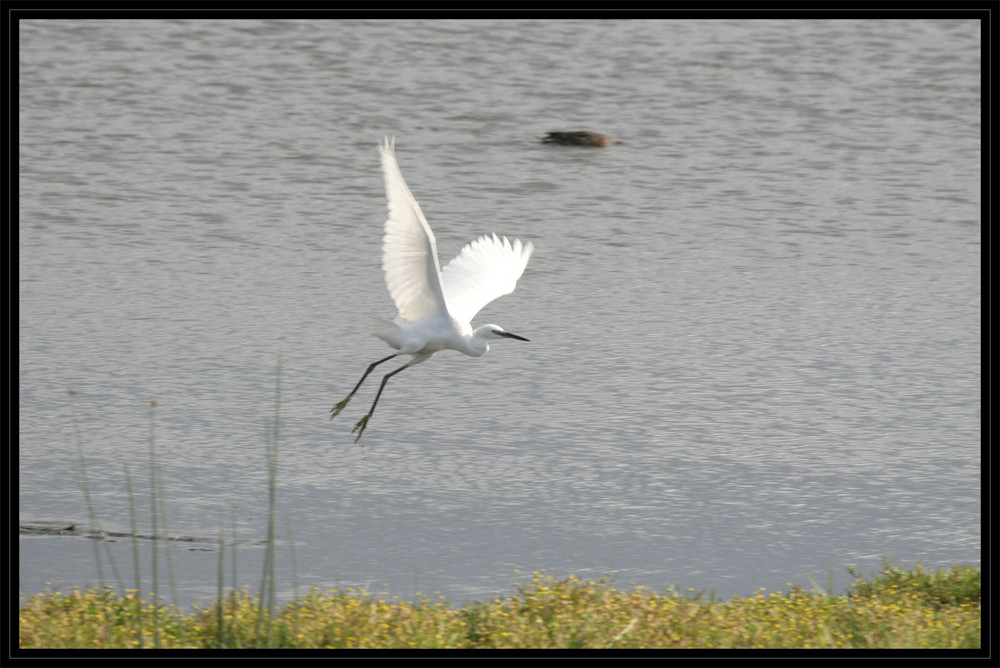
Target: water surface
(755, 328)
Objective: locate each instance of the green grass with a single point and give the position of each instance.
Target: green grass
(894, 609)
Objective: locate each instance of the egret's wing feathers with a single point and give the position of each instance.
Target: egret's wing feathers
(486, 269)
(409, 251)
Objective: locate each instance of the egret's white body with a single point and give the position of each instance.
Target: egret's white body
(435, 305)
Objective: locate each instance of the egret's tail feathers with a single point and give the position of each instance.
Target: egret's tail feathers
(384, 329)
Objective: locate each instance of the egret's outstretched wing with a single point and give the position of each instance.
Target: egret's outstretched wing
(409, 251)
(486, 269)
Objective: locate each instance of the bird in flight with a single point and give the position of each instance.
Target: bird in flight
(435, 305)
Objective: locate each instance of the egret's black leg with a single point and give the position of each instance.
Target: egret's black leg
(335, 411)
(363, 422)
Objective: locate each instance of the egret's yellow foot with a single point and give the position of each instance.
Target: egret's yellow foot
(335, 411)
(360, 427)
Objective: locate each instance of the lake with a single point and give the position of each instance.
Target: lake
(755, 331)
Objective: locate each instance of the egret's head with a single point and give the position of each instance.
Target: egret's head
(496, 332)
(479, 343)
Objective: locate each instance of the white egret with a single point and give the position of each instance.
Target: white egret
(435, 305)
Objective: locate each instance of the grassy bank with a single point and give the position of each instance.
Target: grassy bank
(896, 608)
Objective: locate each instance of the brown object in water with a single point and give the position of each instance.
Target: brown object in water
(579, 139)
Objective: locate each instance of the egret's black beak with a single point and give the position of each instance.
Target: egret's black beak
(513, 336)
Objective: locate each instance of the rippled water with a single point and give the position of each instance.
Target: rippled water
(755, 328)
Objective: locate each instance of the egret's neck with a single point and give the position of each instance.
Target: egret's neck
(476, 345)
